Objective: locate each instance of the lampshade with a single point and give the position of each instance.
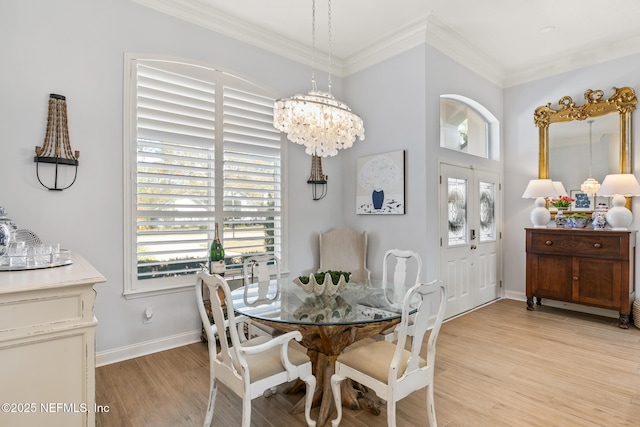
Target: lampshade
(539, 189)
(560, 188)
(624, 184)
(317, 120)
(619, 185)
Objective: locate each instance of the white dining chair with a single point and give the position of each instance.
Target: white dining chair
(343, 249)
(395, 288)
(258, 270)
(389, 369)
(252, 367)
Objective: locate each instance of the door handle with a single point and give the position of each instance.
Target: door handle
(473, 234)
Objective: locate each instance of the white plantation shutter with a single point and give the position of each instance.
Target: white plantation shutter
(252, 178)
(206, 152)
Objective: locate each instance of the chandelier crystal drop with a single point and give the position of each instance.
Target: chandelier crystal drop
(317, 120)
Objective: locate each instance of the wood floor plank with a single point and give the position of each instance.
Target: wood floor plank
(498, 366)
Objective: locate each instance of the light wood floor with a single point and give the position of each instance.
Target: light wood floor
(497, 366)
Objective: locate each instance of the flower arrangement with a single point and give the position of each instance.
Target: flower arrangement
(562, 201)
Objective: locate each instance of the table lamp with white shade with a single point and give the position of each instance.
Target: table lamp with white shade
(619, 186)
(539, 189)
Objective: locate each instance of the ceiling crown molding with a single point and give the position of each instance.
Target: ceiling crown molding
(443, 38)
(230, 26)
(384, 48)
(426, 30)
(570, 61)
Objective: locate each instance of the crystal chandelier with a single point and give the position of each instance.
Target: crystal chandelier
(590, 186)
(317, 120)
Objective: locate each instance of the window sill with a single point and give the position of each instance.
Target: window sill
(144, 293)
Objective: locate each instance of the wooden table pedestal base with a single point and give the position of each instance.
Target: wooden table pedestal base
(324, 344)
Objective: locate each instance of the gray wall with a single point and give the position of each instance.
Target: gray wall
(75, 48)
(399, 100)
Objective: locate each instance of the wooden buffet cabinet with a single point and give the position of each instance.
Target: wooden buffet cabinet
(582, 266)
(47, 345)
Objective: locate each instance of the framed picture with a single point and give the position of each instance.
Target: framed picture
(380, 184)
(582, 201)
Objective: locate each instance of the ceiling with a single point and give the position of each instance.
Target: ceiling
(503, 40)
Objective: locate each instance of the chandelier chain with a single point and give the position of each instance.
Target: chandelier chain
(317, 120)
(590, 186)
(313, 45)
(330, 58)
(590, 146)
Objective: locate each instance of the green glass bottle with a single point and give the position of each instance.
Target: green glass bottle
(216, 255)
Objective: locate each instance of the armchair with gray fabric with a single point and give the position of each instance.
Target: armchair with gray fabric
(343, 249)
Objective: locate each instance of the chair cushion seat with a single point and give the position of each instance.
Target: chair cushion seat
(268, 363)
(374, 360)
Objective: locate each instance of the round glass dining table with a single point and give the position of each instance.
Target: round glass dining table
(328, 324)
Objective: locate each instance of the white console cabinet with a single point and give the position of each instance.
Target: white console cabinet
(47, 345)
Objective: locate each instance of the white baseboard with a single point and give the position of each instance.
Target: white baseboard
(597, 311)
(153, 346)
(518, 296)
(144, 348)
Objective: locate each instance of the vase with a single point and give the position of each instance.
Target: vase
(378, 198)
(577, 222)
(560, 219)
(327, 287)
(598, 218)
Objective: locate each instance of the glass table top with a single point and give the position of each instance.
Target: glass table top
(281, 300)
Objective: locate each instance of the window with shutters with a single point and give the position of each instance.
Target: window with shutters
(200, 149)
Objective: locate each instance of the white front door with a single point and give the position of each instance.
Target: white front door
(469, 236)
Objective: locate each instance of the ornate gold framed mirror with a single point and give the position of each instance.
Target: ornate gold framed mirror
(616, 157)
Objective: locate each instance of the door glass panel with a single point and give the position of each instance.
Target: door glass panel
(457, 205)
(487, 211)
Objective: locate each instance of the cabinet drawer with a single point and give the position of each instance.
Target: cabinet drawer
(590, 245)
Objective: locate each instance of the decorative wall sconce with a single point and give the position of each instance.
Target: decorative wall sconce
(56, 148)
(317, 179)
